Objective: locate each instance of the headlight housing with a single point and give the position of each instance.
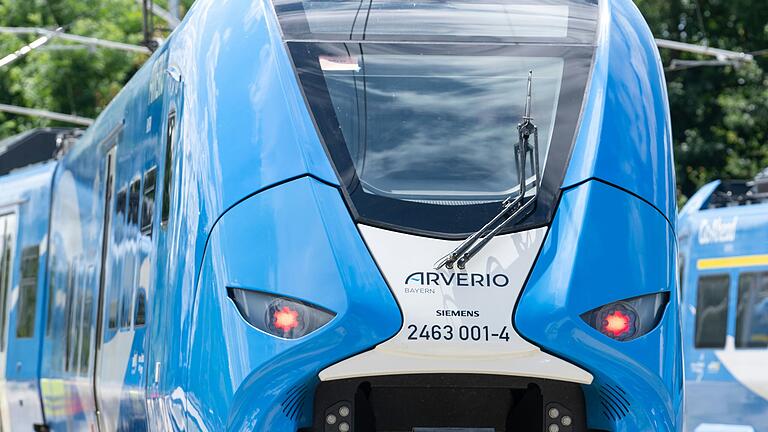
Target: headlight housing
(279, 316)
(628, 319)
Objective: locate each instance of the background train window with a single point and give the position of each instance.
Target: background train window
(141, 306)
(134, 199)
(25, 317)
(752, 311)
(120, 203)
(169, 134)
(712, 311)
(148, 206)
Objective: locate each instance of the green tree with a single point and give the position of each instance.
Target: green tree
(78, 81)
(720, 113)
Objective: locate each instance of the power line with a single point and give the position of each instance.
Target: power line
(68, 118)
(84, 40)
(21, 52)
(720, 54)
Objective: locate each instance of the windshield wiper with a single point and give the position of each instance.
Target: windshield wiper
(515, 207)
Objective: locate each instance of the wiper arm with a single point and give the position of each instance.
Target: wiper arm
(515, 207)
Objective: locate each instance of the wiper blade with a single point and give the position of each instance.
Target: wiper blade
(515, 207)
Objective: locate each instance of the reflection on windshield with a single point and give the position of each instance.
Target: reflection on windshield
(545, 20)
(438, 128)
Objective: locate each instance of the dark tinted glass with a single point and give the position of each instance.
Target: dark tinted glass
(712, 311)
(134, 201)
(7, 229)
(168, 169)
(752, 312)
(148, 205)
(85, 344)
(25, 318)
(141, 305)
(121, 202)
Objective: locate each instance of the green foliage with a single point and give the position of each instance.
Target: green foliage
(78, 81)
(720, 113)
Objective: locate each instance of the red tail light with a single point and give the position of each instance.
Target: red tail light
(279, 316)
(628, 319)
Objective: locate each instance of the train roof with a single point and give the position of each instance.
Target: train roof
(727, 218)
(28, 148)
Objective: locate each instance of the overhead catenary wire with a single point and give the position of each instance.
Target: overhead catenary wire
(34, 112)
(84, 40)
(26, 49)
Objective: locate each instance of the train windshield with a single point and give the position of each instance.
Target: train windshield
(422, 127)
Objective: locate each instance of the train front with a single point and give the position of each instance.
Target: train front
(496, 253)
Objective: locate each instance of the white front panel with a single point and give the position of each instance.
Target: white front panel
(455, 321)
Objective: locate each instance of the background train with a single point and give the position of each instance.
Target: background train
(724, 269)
(332, 216)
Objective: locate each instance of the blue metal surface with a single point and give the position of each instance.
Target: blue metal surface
(625, 137)
(308, 248)
(254, 205)
(605, 246)
(27, 194)
(736, 375)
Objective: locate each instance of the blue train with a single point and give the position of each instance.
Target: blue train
(357, 216)
(724, 273)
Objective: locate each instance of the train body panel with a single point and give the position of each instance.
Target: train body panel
(24, 219)
(724, 269)
(258, 214)
(629, 114)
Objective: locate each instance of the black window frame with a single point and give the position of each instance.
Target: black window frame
(700, 310)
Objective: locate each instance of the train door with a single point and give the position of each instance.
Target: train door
(7, 255)
(23, 334)
(107, 238)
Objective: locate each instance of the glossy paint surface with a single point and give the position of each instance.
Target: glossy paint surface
(606, 245)
(294, 240)
(254, 204)
(26, 194)
(625, 136)
(736, 374)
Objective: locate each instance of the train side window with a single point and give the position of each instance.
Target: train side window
(85, 343)
(148, 206)
(712, 311)
(77, 317)
(120, 203)
(126, 291)
(25, 317)
(4, 273)
(69, 323)
(141, 305)
(752, 311)
(134, 199)
(112, 324)
(52, 284)
(167, 174)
